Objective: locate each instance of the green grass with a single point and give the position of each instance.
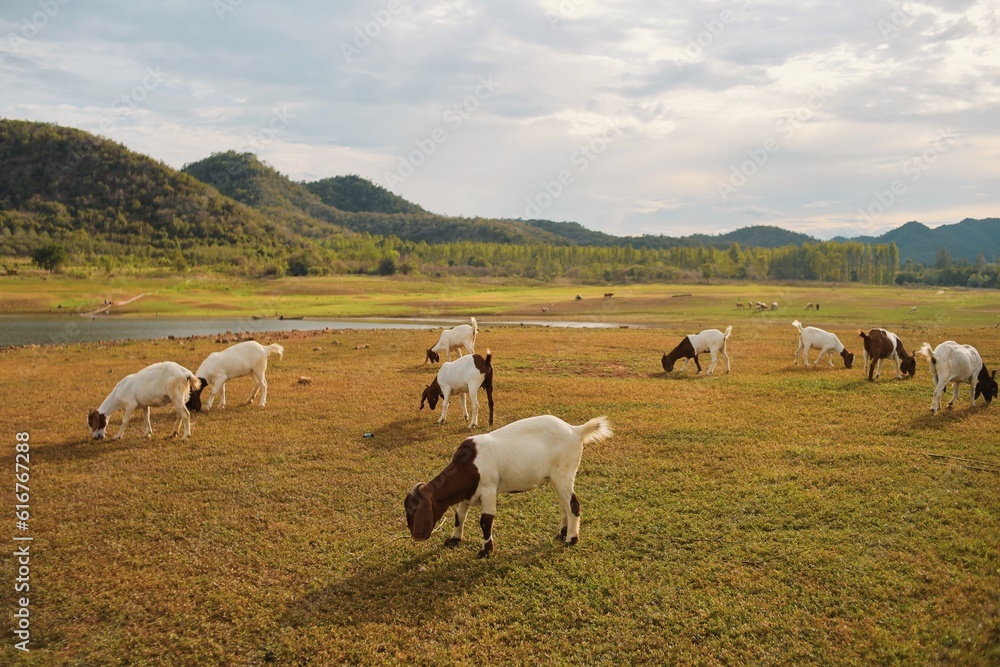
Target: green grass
(777, 515)
(366, 296)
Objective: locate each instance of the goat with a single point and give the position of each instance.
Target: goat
(759, 306)
(951, 362)
(826, 342)
(246, 358)
(608, 295)
(774, 305)
(463, 376)
(739, 305)
(880, 344)
(456, 338)
(154, 386)
(712, 341)
(517, 457)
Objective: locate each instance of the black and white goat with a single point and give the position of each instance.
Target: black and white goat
(165, 383)
(465, 375)
(712, 341)
(517, 457)
(952, 362)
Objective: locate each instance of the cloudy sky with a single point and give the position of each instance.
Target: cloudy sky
(633, 117)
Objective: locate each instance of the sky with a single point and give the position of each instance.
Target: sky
(842, 117)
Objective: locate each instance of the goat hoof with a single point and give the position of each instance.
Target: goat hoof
(452, 542)
(572, 541)
(483, 553)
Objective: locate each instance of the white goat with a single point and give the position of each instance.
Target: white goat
(463, 376)
(951, 362)
(516, 457)
(154, 386)
(826, 342)
(456, 338)
(246, 358)
(712, 341)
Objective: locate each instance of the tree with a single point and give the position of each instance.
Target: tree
(942, 260)
(50, 256)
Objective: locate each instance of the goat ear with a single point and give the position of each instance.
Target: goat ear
(423, 520)
(423, 397)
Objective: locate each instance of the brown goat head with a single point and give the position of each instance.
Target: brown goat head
(432, 394)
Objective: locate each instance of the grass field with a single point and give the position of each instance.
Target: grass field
(367, 296)
(777, 515)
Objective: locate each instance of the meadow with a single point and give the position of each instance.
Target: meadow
(776, 515)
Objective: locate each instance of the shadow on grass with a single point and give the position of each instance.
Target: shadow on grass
(946, 418)
(420, 587)
(82, 449)
(399, 433)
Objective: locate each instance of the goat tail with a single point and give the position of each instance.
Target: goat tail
(489, 358)
(475, 328)
(729, 331)
(926, 351)
(797, 325)
(862, 334)
(194, 383)
(595, 430)
(274, 347)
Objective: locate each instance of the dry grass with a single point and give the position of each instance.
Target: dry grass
(777, 515)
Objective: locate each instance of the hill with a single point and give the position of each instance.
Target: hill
(964, 240)
(355, 194)
(64, 185)
(309, 207)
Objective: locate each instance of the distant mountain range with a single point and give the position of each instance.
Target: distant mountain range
(58, 182)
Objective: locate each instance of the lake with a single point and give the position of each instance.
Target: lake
(57, 330)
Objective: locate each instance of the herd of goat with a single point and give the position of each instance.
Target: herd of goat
(523, 454)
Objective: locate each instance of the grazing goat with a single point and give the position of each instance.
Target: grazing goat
(608, 295)
(154, 386)
(879, 345)
(712, 341)
(774, 305)
(246, 358)
(463, 376)
(739, 305)
(826, 342)
(456, 338)
(951, 362)
(517, 457)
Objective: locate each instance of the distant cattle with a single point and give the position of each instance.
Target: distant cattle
(608, 295)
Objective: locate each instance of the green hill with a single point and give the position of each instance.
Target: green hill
(964, 240)
(306, 207)
(95, 196)
(355, 194)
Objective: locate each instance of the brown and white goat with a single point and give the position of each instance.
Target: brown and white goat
(826, 342)
(879, 345)
(464, 335)
(164, 383)
(517, 457)
(463, 376)
(712, 341)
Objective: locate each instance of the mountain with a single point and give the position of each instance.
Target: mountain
(314, 209)
(355, 194)
(96, 197)
(964, 240)
(62, 184)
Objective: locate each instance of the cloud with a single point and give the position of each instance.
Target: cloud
(696, 91)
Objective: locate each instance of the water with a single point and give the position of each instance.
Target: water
(55, 330)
